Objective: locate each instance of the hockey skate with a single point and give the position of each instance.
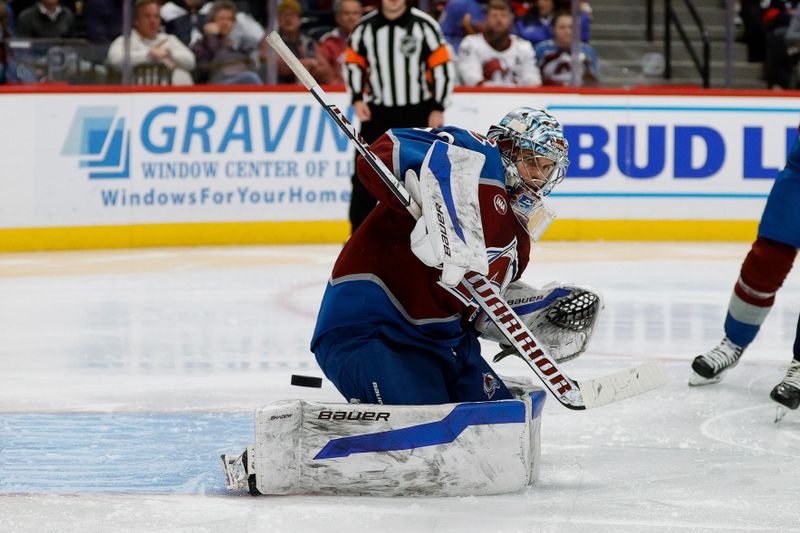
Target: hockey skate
(710, 367)
(787, 392)
(236, 468)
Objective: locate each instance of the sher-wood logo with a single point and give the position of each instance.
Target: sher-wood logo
(100, 141)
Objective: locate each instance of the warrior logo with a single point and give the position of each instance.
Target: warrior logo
(500, 204)
(490, 384)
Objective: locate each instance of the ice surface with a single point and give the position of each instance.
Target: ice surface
(124, 375)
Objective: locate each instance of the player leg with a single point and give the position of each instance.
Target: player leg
(373, 369)
(763, 272)
(787, 392)
(471, 379)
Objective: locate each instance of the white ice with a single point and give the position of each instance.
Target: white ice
(123, 375)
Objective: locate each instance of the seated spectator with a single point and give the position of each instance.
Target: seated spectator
(246, 27)
(149, 45)
(554, 56)
(103, 20)
(778, 13)
(182, 18)
(46, 20)
(5, 33)
(7, 20)
(333, 45)
(220, 58)
(289, 13)
(460, 18)
(537, 24)
(495, 57)
(755, 37)
(791, 40)
(777, 63)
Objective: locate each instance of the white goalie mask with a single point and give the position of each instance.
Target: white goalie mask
(534, 153)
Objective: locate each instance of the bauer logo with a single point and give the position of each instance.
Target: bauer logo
(366, 416)
(99, 141)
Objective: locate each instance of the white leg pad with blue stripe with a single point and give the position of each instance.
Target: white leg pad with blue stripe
(439, 450)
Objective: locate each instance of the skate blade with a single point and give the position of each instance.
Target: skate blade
(696, 380)
(780, 412)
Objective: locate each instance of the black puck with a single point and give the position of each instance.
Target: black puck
(306, 381)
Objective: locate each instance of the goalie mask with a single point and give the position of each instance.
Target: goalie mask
(534, 153)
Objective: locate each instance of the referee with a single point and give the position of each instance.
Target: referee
(400, 75)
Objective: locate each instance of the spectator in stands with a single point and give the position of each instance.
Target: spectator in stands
(777, 63)
(333, 45)
(755, 36)
(792, 42)
(7, 26)
(149, 45)
(220, 58)
(460, 18)
(289, 12)
(46, 20)
(103, 20)
(554, 56)
(495, 57)
(5, 32)
(5, 20)
(183, 19)
(246, 27)
(537, 24)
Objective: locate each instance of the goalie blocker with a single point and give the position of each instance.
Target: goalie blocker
(389, 450)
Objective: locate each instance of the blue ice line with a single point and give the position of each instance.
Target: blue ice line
(119, 453)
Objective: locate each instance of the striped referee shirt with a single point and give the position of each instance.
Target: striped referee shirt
(399, 62)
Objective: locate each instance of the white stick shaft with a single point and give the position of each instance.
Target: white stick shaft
(291, 60)
(340, 120)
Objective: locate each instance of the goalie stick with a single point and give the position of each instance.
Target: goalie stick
(570, 393)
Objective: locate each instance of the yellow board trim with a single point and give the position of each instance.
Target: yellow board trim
(337, 231)
(652, 230)
(149, 235)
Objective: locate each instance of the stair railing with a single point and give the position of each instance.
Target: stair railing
(671, 19)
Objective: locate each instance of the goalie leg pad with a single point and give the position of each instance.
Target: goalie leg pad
(440, 450)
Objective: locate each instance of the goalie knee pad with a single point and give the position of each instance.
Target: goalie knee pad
(561, 317)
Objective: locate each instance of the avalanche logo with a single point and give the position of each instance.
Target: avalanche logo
(98, 137)
(490, 384)
(503, 266)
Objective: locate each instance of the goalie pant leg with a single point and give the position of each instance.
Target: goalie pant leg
(371, 368)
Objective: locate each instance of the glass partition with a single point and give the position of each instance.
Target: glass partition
(608, 48)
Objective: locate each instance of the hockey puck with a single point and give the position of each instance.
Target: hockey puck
(306, 381)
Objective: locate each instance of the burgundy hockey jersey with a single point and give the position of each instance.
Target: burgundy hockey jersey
(377, 281)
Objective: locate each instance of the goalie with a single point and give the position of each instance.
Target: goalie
(396, 326)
